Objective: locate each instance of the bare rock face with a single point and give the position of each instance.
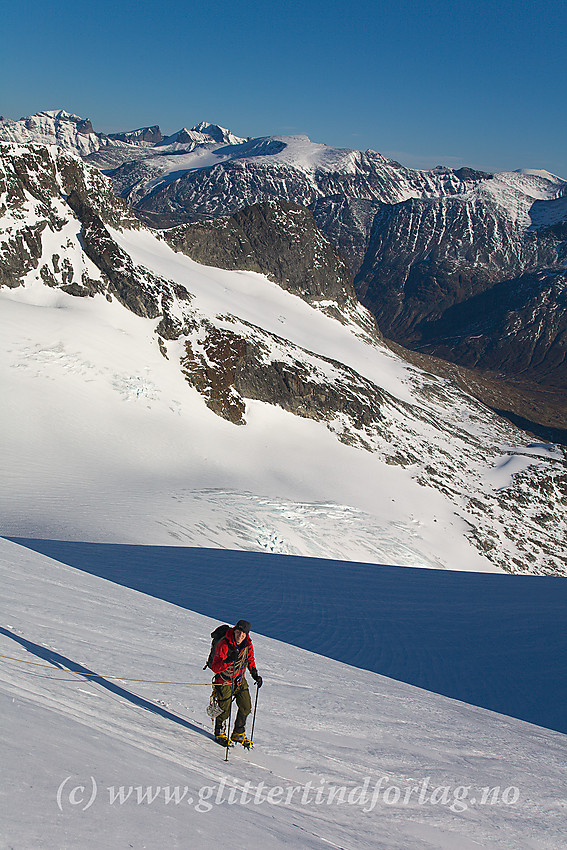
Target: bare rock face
(228, 368)
(528, 340)
(212, 368)
(95, 190)
(20, 254)
(28, 180)
(275, 238)
(113, 262)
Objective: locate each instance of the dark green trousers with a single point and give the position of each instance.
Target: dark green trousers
(241, 696)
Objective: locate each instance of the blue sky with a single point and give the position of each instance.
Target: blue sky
(463, 82)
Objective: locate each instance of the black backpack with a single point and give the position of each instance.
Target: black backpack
(216, 637)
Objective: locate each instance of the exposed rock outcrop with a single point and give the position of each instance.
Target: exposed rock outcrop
(274, 238)
(228, 367)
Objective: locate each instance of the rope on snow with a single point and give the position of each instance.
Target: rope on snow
(102, 675)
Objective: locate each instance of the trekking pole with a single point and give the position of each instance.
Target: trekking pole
(254, 715)
(229, 715)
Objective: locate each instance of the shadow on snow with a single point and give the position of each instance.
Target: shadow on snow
(492, 640)
(64, 663)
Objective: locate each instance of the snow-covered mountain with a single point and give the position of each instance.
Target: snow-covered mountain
(432, 252)
(478, 278)
(76, 134)
(462, 264)
(153, 399)
(55, 127)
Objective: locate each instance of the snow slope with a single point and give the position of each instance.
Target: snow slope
(419, 768)
(436, 629)
(108, 443)
(119, 448)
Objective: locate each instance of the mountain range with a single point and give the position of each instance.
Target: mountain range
(461, 265)
(374, 457)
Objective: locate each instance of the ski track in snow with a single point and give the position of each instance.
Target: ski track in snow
(318, 721)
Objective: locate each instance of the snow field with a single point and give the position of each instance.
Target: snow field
(108, 442)
(319, 722)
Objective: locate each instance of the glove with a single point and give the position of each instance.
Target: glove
(232, 654)
(257, 678)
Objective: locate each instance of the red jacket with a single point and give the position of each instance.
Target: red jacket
(234, 670)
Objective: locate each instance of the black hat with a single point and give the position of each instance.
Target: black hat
(243, 626)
